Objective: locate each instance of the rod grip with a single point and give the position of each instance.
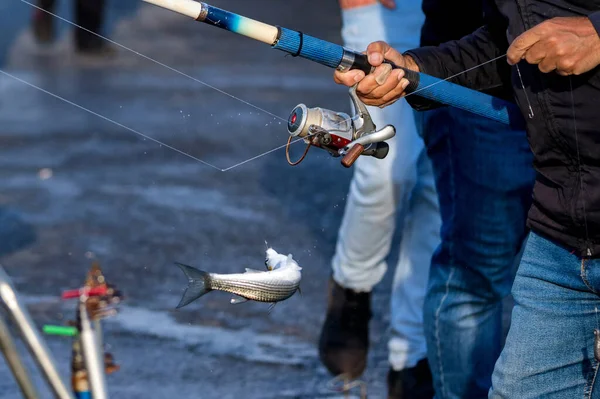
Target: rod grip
(352, 155)
(361, 62)
(444, 92)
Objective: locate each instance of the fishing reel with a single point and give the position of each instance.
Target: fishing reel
(338, 133)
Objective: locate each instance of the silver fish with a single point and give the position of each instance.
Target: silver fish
(279, 283)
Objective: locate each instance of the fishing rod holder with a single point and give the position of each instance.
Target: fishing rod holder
(96, 300)
(338, 133)
(16, 309)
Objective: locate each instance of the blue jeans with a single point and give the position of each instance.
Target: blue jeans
(484, 178)
(549, 351)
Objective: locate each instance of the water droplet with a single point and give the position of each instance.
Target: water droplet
(45, 173)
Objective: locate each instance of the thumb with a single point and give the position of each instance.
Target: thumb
(380, 51)
(521, 44)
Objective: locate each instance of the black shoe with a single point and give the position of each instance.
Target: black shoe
(43, 26)
(96, 49)
(411, 383)
(344, 341)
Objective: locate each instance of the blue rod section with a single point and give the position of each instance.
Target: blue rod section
(331, 55)
(426, 86)
(311, 48)
(469, 100)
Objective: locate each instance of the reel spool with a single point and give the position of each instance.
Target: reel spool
(338, 133)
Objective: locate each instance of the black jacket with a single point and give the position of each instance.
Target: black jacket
(564, 133)
(444, 21)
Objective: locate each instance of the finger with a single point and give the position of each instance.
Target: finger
(376, 52)
(395, 94)
(392, 90)
(391, 4)
(349, 78)
(389, 98)
(566, 64)
(381, 77)
(536, 53)
(379, 90)
(548, 64)
(521, 44)
(366, 86)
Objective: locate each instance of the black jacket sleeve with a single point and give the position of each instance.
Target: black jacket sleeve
(468, 60)
(595, 18)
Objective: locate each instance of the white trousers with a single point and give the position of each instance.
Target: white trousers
(401, 186)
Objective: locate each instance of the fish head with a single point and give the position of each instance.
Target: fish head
(290, 263)
(274, 259)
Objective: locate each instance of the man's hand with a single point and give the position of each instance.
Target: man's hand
(346, 4)
(569, 45)
(384, 86)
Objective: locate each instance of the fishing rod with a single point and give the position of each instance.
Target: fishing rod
(338, 57)
(32, 338)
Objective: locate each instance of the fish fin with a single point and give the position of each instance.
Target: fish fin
(237, 299)
(271, 306)
(198, 284)
(253, 271)
(299, 291)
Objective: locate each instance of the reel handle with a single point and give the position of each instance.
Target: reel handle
(352, 155)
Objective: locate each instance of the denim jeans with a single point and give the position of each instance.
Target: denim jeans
(549, 351)
(382, 191)
(484, 178)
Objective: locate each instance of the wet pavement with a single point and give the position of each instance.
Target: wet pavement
(82, 178)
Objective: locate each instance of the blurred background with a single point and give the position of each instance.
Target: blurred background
(77, 188)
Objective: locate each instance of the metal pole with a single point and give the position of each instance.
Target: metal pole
(31, 336)
(99, 337)
(94, 362)
(7, 345)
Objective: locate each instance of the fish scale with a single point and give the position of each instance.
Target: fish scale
(266, 291)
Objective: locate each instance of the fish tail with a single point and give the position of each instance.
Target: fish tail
(198, 285)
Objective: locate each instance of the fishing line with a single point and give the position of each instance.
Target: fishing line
(458, 74)
(108, 119)
(205, 84)
(156, 62)
(355, 116)
(438, 82)
(165, 66)
(138, 132)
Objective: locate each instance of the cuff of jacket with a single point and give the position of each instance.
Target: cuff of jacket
(420, 56)
(595, 18)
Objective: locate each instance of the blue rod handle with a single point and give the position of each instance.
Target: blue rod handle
(432, 88)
